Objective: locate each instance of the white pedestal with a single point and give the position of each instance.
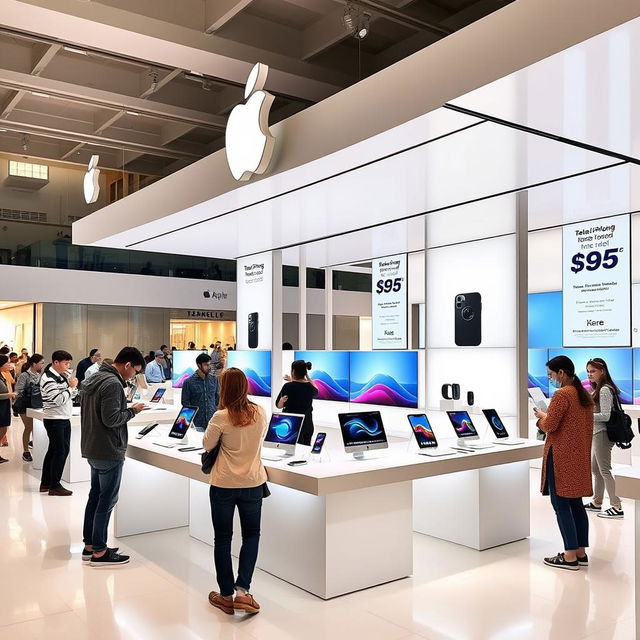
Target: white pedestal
(478, 509)
(151, 499)
(200, 526)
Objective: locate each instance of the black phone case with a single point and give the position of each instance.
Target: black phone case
(468, 319)
(253, 330)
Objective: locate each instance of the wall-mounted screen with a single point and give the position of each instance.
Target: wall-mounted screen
(330, 372)
(636, 376)
(256, 366)
(619, 363)
(386, 378)
(545, 320)
(184, 366)
(537, 370)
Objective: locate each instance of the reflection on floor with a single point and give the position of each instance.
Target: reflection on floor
(456, 593)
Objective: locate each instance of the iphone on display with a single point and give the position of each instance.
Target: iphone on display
(317, 445)
(253, 330)
(468, 314)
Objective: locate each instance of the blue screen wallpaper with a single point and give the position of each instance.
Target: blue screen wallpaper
(359, 429)
(256, 366)
(384, 377)
(545, 320)
(283, 429)
(619, 362)
(184, 366)
(636, 376)
(330, 372)
(537, 370)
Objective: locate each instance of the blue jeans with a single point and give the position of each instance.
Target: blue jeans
(223, 505)
(103, 496)
(570, 512)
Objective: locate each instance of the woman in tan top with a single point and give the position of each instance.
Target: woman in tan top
(566, 467)
(237, 480)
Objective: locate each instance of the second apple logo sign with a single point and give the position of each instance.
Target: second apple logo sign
(249, 144)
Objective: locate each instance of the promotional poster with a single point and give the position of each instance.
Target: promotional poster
(254, 302)
(389, 302)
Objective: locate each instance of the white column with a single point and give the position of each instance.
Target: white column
(276, 327)
(328, 308)
(522, 312)
(302, 308)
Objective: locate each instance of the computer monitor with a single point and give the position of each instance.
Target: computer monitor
(182, 422)
(362, 431)
(463, 425)
(283, 432)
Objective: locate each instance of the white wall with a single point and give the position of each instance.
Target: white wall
(345, 303)
(16, 327)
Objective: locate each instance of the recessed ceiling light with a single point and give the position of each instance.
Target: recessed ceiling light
(40, 94)
(133, 113)
(74, 50)
(196, 73)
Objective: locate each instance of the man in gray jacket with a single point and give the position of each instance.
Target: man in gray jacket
(103, 419)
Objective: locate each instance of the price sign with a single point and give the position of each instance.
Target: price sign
(596, 287)
(389, 302)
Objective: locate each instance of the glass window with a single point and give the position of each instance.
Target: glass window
(28, 170)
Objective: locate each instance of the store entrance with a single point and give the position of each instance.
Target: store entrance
(202, 332)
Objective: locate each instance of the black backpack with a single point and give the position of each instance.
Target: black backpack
(619, 426)
(30, 398)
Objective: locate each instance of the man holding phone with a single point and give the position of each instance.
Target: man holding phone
(201, 390)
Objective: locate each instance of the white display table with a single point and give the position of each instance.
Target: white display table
(76, 468)
(329, 528)
(628, 486)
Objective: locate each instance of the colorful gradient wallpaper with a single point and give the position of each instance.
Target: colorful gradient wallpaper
(284, 429)
(256, 366)
(184, 366)
(636, 376)
(423, 431)
(537, 370)
(361, 428)
(462, 424)
(330, 372)
(619, 362)
(384, 377)
(545, 319)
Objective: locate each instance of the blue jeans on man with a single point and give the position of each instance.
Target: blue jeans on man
(103, 496)
(223, 505)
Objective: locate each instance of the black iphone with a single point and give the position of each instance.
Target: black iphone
(317, 445)
(468, 315)
(253, 330)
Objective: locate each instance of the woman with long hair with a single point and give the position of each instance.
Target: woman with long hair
(28, 388)
(566, 467)
(606, 396)
(237, 481)
(6, 396)
(296, 396)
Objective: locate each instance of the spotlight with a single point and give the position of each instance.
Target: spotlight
(363, 27)
(207, 293)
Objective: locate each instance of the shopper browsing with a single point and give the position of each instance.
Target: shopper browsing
(605, 395)
(6, 396)
(28, 397)
(103, 442)
(154, 371)
(93, 357)
(95, 367)
(58, 389)
(237, 480)
(566, 467)
(296, 396)
(201, 390)
(168, 362)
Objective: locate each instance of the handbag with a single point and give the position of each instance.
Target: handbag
(208, 459)
(619, 426)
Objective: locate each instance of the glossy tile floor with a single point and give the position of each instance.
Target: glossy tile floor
(456, 593)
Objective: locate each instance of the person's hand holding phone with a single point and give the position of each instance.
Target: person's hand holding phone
(538, 413)
(73, 382)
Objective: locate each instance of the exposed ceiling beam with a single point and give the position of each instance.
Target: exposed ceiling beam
(219, 12)
(165, 80)
(474, 12)
(43, 54)
(324, 33)
(113, 101)
(12, 103)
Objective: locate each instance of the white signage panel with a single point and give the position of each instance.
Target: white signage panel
(389, 302)
(596, 283)
(254, 301)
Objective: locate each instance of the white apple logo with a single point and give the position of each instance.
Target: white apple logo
(91, 186)
(249, 144)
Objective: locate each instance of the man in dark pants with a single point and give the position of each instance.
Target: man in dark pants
(104, 439)
(58, 390)
(201, 390)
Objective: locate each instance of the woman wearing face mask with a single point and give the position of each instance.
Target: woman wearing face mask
(566, 468)
(605, 396)
(296, 396)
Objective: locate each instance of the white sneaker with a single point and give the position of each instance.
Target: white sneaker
(612, 513)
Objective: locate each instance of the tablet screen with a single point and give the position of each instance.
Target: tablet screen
(422, 431)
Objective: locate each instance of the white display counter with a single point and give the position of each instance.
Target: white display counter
(355, 518)
(628, 486)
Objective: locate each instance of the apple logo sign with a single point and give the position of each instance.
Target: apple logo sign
(249, 144)
(91, 186)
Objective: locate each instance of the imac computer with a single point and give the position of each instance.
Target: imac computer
(178, 431)
(362, 431)
(498, 428)
(282, 434)
(465, 430)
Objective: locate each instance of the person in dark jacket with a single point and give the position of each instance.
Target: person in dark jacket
(93, 357)
(103, 442)
(202, 390)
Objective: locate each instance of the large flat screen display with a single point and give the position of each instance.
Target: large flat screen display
(362, 429)
(184, 366)
(636, 376)
(537, 370)
(256, 366)
(619, 363)
(545, 320)
(387, 378)
(330, 372)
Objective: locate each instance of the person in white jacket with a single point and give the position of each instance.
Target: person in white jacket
(58, 390)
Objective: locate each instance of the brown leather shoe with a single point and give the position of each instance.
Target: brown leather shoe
(60, 491)
(246, 603)
(224, 604)
(44, 488)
